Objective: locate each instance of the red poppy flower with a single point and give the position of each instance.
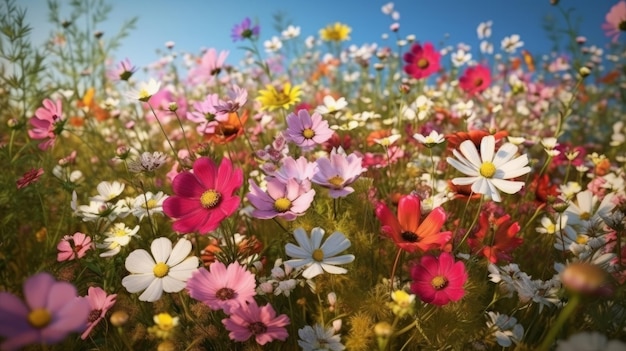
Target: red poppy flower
(407, 231)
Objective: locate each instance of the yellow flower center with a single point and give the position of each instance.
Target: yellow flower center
(585, 216)
(144, 95)
(160, 270)
(150, 204)
(210, 198)
(551, 228)
(582, 239)
(423, 63)
(318, 255)
(282, 204)
(308, 133)
(439, 282)
(487, 169)
(39, 318)
(336, 181)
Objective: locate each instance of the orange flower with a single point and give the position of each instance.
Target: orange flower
(227, 131)
(91, 107)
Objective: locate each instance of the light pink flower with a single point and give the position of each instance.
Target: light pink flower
(237, 97)
(73, 247)
(223, 288)
(210, 66)
(439, 280)
(206, 115)
(51, 310)
(47, 123)
(256, 321)
(300, 170)
(100, 303)
(287, 200)
(615, 21)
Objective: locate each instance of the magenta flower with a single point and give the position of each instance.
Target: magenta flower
(73, 247)
(100, 303)
(223, 288)
(205, 197)
(615, 21)
(307, 131)
(286, 200)
(422, 61)
(439, 280)
(475, 79)
(337, 172)
(258, 322)
(47, 123)
(51, 311)
(244, 30)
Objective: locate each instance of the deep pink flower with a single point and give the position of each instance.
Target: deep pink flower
(286, 200)
(100, 303)
(422, 61)
(73, 247)
(615, 21)
(258, 322)
(407, 230)
(29, 178)
(439, 280)
(307, 131)
(338, 172)
(47, 123)
(475, 79)
(204, 197)
(223, 288)
(51, 310)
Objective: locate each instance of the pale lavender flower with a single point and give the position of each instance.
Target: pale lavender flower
(307, 131)
(286, 200)
(237, 97)
(301, 170)
(338, 171)
(206, 115)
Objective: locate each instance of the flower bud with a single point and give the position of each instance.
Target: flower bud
(584, 277)
(584, 71)
(119, 318)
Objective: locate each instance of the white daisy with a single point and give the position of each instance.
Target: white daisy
(319, 338)
(331, 105)
(431, 139)
(488, 171)
(108, 191)
(145, 91)
(506, 329)
(166, 269)
(318, 257)
(148, 203)
(117, 236)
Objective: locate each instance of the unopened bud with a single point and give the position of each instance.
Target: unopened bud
(584, 71)
(119, 318)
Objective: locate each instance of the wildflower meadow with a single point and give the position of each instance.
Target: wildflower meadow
(317, 194)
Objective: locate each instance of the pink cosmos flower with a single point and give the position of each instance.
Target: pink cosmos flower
(422, 61)
(124, 70)
(439, 280)
(51, 310)
(615, 21)
(73, 247)
(256, 321)
(300, 170)
(237, 97)
(407, 230)
(100, 303)
(29, 178)
(210, 66)
(286, 200)
(204, 197)
(338, 171)
(475, 79)
(206, 115)
(307, 131)
(47, 123)
(223, 288)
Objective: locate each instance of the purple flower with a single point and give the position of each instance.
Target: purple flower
(287, 200)
(244, 30)
(237, 97)
(50, 312)
(338, 171)
(307, 131)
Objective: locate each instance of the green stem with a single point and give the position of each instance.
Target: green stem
(571, 306)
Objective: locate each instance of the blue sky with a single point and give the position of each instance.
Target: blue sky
(197, 24)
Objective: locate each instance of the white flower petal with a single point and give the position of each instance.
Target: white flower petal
(514, 168)
(161, 249)
(314, 270)
(487, 147)
(343, 259)
(464, 180)
(462, 167)
(504, 154)
(333, 269)
(303, 239)
(468, 149)
(153, 292)
(299, 262)
(180, 252)
(140, 261)
(335, 244)
(317, 234)
(507, 186)
(172, 285)
(297, 252)
(137, 282)
(185, 269)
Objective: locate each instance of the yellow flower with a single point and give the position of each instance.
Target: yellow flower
(164, 325)
(335, 32)
(271, 98)
(403, 303)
